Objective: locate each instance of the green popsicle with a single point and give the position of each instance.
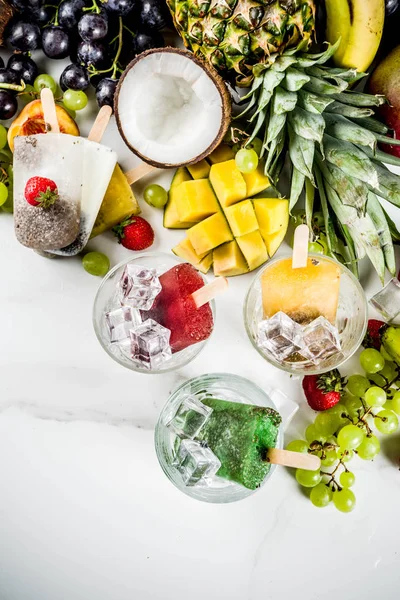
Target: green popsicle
(240, 436)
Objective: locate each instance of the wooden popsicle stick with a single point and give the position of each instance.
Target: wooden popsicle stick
(300, 247)
(100, 124)
(298, 460)
(138, 172)
(49, 111)
(209, 291)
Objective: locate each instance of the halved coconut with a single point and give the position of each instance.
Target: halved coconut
(171, 108)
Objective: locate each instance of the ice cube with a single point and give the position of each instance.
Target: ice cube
(196, 462)
(138, 287)
(387, 300)
(280, 335)
(189, 418)
(321, 340)
(150, 344)
(120, 321)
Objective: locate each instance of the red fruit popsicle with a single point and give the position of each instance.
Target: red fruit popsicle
(176, 309)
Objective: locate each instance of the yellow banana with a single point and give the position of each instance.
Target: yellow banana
(359, 24)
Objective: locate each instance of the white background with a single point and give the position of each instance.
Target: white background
(86, 512)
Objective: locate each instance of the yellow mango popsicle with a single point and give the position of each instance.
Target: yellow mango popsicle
(304, 293)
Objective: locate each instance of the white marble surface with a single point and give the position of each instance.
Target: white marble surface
(85, 510)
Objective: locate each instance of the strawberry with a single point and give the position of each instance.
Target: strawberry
(40, 191)
(323, 391)
(374, 333)
(134, 233)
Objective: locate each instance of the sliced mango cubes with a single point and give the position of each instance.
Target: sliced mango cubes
(226, 227)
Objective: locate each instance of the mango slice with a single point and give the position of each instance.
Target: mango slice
(199, 170)
(205, 263)
(242, 218)
(221, 154)
(186, 251)
(228, 260)
(256, 181)
(118, 203)
(273, 240)
(253, 249)
(272, 214)
(171, 216)
(195, 200)
(210, 233)
(228, 183)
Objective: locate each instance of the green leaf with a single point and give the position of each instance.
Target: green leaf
(357, 99)
(296, 188)
(375, 211)
(312, 102)
(372, 125)
(275, 151)
(350, 75)
(275, 126)
(271, 80)
(350, 247)
(351, 191)
(294, 80)
(351, 160)
(384, 139)
(321, 74)
(301, 151)
(308, 125)
(349, 111)
(331, 237)
(343, 129)
(261, 119)
(283, 62)
(257, 82)
(321, 57)
(310, 195)
(321, 86)
(382, 157)
(388, 185)
(283, 101)
(395, 233)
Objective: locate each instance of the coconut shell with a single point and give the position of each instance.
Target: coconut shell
(6, 13)
(219, 83)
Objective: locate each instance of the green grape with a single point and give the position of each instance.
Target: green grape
(358, 385)
(321, 495)
(312, 434)
(369, 448)
(375, 396)
(337, 412)
(330, 458)
(255, 145)
(44, 81)
(350, 437)
(389, 371)
(3, 137)
(396, 403)
(386, 421)
(344, 500)
(3, 193)
(96, 263)
(155, 195)
(347, 479)
(345, 455)
(246, 160)
(297, 446)
(308, 478)
(354, 405)
(326, 423)
(75, 99)
(372, 360)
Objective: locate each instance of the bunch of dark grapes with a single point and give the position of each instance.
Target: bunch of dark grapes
(100, 37)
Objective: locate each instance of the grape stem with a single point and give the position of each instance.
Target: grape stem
(114, 67)
(332, 481)
(94, 8)
(17, 87)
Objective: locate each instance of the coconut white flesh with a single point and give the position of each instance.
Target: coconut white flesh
(169, 108)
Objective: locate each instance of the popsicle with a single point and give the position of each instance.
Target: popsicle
(47, 167)
(303, 293)
(98, 165)
(183, 307)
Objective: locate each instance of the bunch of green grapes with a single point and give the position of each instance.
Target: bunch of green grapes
(6, 173)
(371, 402)
(72, 100)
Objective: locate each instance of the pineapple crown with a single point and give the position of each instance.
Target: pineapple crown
(302, 108)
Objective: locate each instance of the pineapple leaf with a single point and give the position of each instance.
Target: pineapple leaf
(301, 151)
(382, 157)
(351, 160)
(372, 125)
(271, 80)
(352, 192)
(283, 62)
(312, 102)
(375, 211)
(296, 188)
(322, 57)
(321, 86)
(283, 101)
(331, 237)
(395, 233)
(345, 110)
(320, 73)
(357, 99)
(308, 125)
(294, 80)
(276, 124)
(343, 129)
(310, 196)
(351, 250)
(388, 185)
(387, 140)
(350, 75)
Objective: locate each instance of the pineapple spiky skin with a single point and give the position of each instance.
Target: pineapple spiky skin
(235, 35)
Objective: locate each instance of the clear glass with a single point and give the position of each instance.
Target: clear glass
(351, 321)
(107, 300)
(218, 385)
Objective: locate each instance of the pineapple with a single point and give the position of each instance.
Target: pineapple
(235, 35)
